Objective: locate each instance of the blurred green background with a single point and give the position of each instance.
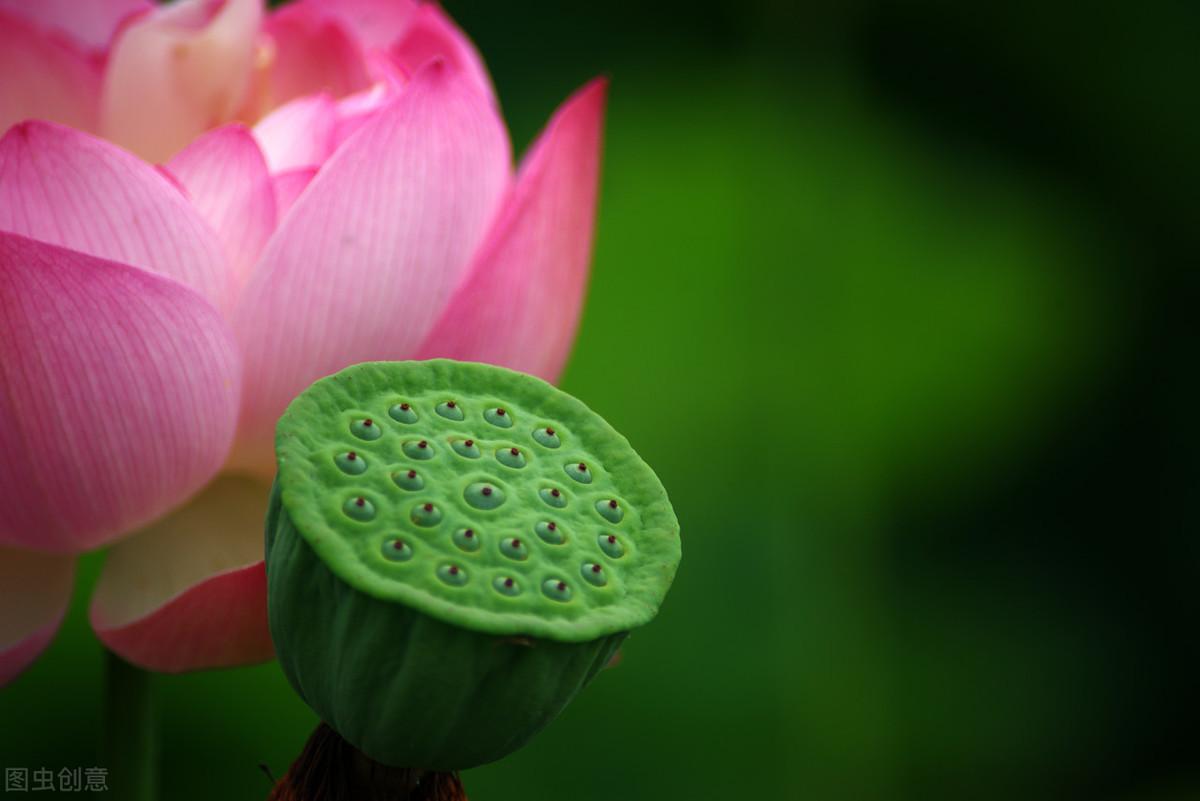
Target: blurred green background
(899, 301)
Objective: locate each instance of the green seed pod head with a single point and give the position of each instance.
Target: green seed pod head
(441, 604)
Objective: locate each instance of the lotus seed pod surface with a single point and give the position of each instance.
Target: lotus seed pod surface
(482, 497)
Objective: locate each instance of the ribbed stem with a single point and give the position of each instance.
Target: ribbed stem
(330, 769)
(129, 748)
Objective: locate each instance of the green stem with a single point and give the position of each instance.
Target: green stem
(130, 734)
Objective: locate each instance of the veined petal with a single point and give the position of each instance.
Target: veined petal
(190, 591)
(298, 134)
(519, 305)
(357, 109)
(367, 256)
(118, 396)
(35, 589)
(90, 24)
(376, 23)
(178, 71)
(431, 34)
(310, 52)
(226, 176)
(72, 189)
(288, 186)
(45, 77)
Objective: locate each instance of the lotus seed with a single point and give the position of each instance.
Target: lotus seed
(483, 496)
(465, 448)
(366, 429)
(350, 463)
(579, 471)
(453, 575)
(547, 437)
(418, 449)
(450, 410)
(498, 417)
(510, 457)
(550, 532)
(466, 539)
(359, 508)
(611, 545)
(514, 549)
(593, 574)
(553, 496)
(556, 590)
(403, 413)
(397, 550)
(426, 514)
(610, 510)
(506, 585)
(408, 479)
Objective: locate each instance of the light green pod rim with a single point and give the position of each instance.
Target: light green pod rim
(318, 428)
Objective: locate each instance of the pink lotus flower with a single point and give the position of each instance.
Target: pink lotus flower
(156, 320)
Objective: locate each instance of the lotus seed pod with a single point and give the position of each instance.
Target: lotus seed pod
(440, 597)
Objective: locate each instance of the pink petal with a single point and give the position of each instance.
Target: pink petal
(368, 255)
(90, 23)
(432, 34)
(311, 52)
(35, 590)
(68, 188)
(226, 176)
(519, 306)
(298, 134)
(178, 71)
(190, 591)
(357, 109)
(118, 396)
(289, 185)
(376, 23)
(45, 77)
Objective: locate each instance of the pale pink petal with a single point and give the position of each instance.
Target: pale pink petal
(376, 23)
(432, 34)
(72, 189)
(366, 258)
(45, 77)
(180, 70)
(118, 396)
(35, 589)
(356, 110)
(190, 591)
(226, 177)
(310, 52)
(90, 23)
(519, 305)
(289, 185)
(298, 134)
